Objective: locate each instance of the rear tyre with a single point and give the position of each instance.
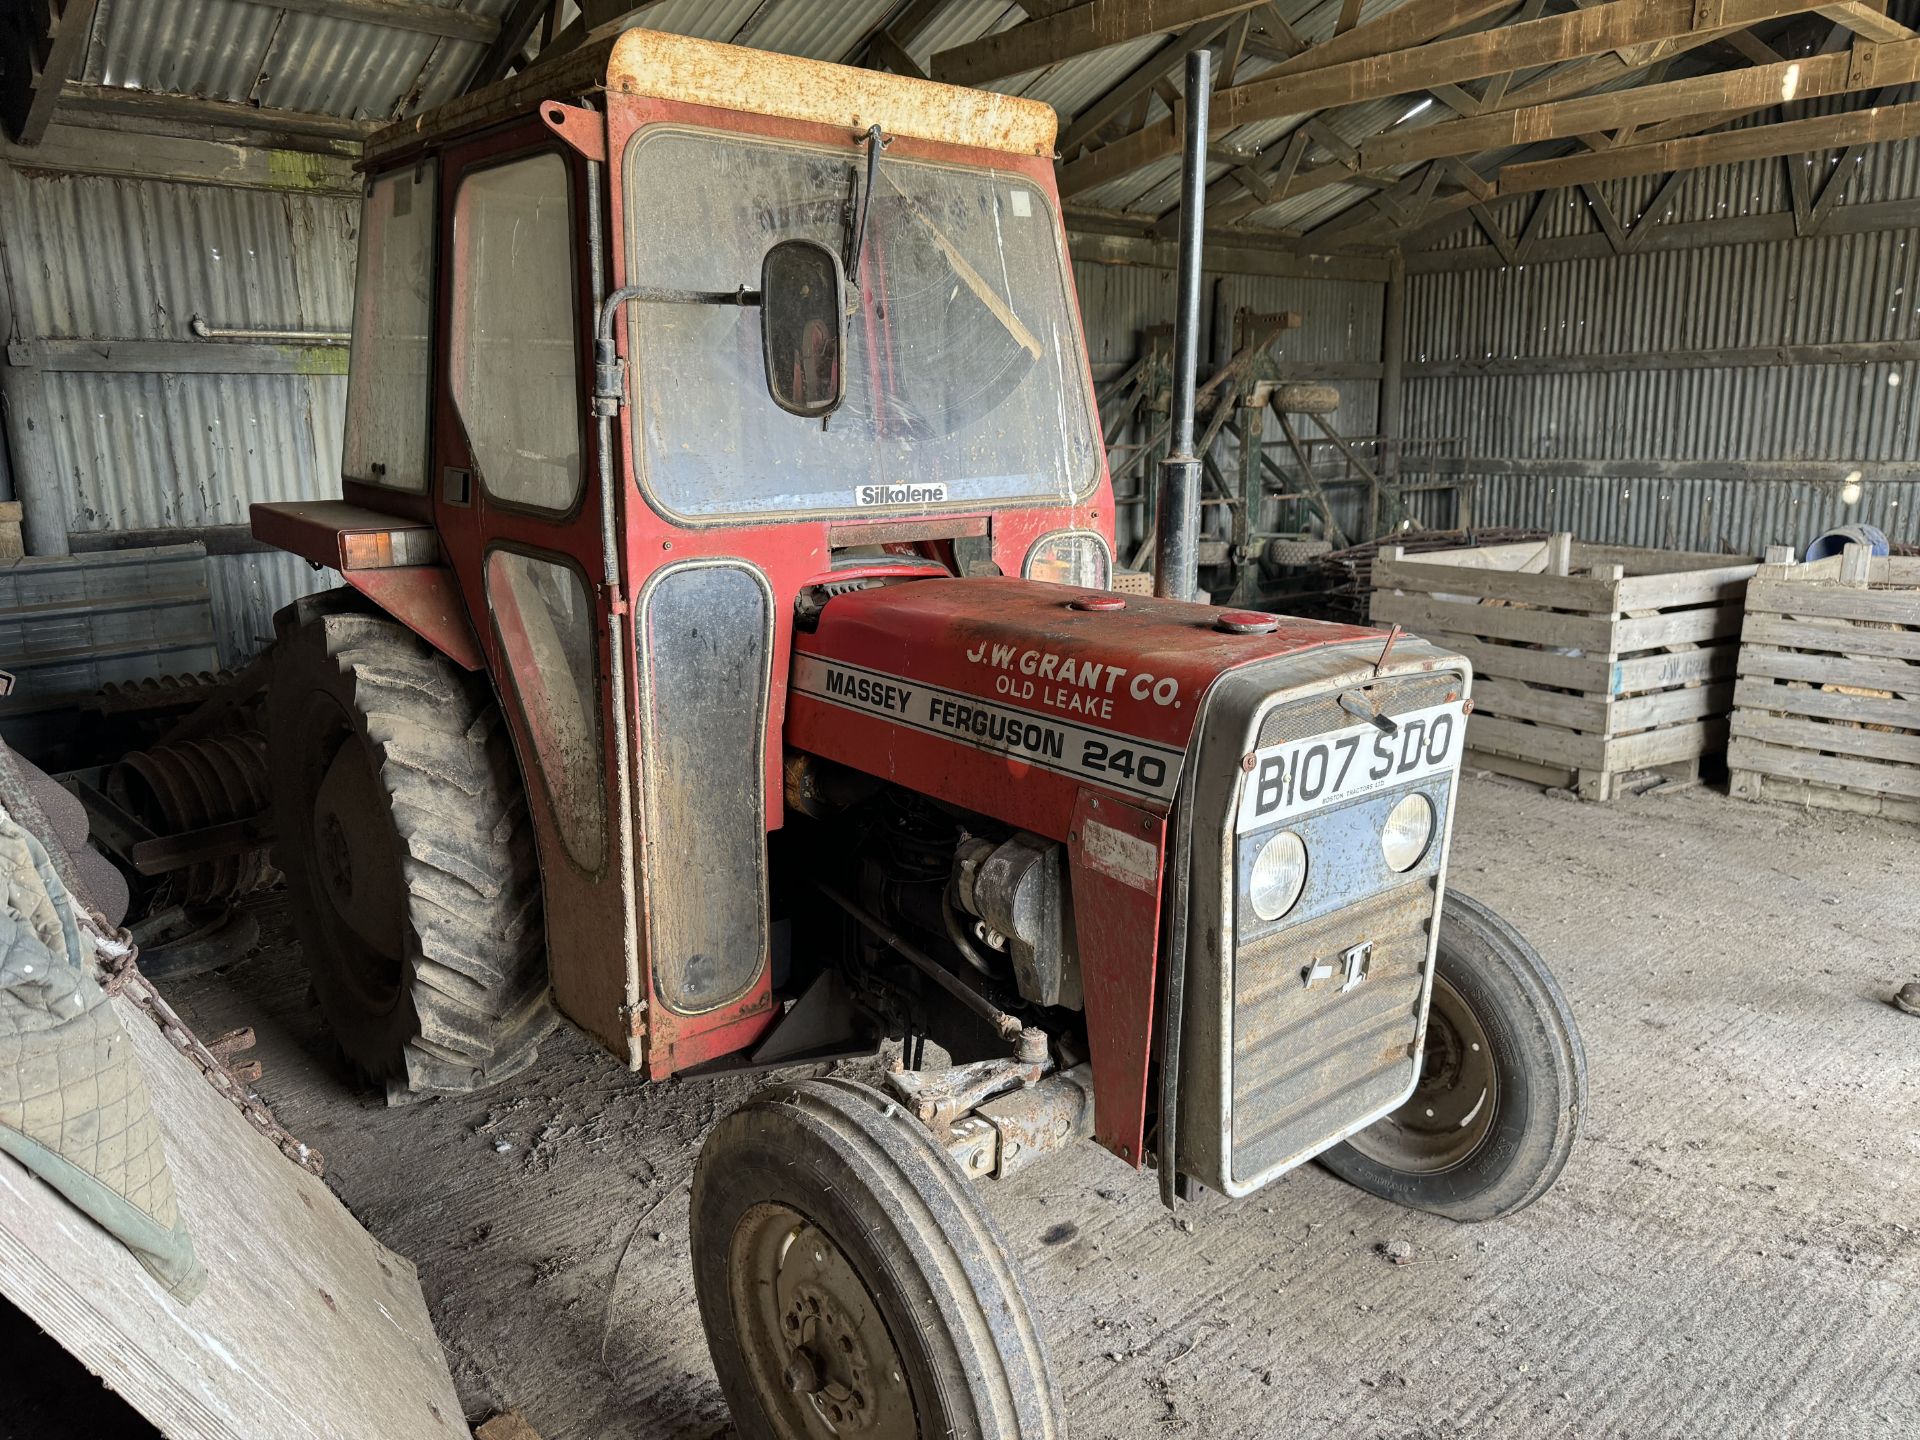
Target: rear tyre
(1502, 1085)
(851, 1283)
(402, 830)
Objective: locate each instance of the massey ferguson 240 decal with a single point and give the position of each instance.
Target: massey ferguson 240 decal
(1119, 762)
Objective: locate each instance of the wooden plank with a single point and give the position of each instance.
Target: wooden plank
(1779, 790)
(1424, 615)
(1645, 560)
(1850, 772)
(1552, 591)
(1669, 707)
(1830, 670)
(1138, 82)
(1078, 30)
(194, 110)
(1676, 627)
(1510, 700)
(36, 59)
(1751, 89)
(1868, 21)
(1836, 636)
(1754, 693)
(1871, 126)
(1666, 668)
(1821, 736)
(1250, 257)
(504, 52)
(324, 355)
(85, 150)
(1534, 667)
(1319, 85)
(1836, 602)
(308, 1326)
(1522, 556)
(1663, 747)
(1555, 777)
(1722, 584)
(1793, 472)
(412, 15)
(1545, 743)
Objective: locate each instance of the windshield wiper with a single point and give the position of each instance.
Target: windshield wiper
(857, 225)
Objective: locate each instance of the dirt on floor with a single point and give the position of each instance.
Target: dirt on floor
(1732, 1250)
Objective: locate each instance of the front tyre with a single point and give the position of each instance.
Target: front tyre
(1502, 1085)
(851, 1283)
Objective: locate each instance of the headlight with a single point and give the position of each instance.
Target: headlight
(1279, 875)
(1409, 827)
(1070, 557)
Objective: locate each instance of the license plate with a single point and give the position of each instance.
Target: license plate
(1300, 775)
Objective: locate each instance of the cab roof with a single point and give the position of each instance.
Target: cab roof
(659, 65)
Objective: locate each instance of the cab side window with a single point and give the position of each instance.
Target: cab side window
(515, 362)
(388, 381)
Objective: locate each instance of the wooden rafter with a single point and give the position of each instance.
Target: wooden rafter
(1138, 83)
(516, 29)
(1079, 30)
(415, 15)
(38, 47)
(1871, 126)
(1722, 92)
(1320, 85)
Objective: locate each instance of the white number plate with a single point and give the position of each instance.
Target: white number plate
(1323, 770)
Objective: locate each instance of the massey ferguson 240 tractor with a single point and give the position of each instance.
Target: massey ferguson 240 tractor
(726, 660)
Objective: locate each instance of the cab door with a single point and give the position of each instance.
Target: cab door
(517, 501)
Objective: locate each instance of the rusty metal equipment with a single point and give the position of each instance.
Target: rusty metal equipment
(192, 816)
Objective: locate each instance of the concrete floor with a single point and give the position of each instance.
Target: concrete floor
(1732, 1250)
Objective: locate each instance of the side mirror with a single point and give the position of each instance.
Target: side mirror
(803, 327)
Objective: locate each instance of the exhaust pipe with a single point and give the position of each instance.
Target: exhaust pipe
(1176, 510)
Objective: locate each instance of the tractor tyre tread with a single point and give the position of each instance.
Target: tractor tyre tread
(475, 945)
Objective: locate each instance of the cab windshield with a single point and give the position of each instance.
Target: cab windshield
(964, 378)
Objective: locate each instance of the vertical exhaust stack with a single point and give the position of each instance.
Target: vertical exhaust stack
(1176, 511)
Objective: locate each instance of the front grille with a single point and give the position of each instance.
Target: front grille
(1311, 1061)
(1318, 714)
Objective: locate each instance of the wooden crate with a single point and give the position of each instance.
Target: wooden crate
(1827, 708)
(1591, 662)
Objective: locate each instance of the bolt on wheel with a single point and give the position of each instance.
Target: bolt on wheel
(851, 1283)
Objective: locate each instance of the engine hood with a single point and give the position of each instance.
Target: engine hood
(1009, 696)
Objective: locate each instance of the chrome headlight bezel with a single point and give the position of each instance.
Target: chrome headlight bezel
(1402, 845)
(1286, 865)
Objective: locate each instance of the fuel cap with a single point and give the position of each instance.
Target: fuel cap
(1098, 602)
(1245, 622)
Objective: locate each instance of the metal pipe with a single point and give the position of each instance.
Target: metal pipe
(200, 327)
(1005, 1025)
(636, 999)
(1176, 560)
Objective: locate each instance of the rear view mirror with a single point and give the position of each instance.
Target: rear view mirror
(803, 327)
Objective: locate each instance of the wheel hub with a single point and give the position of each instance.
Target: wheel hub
(358, 865)
(1451, 1110)
(825, 1363)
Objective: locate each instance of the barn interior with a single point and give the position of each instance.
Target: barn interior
(1569, 338)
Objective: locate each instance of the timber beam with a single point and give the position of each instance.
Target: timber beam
(1318, 85)
(1076, 30)
(1741, 90)
(1871, 126)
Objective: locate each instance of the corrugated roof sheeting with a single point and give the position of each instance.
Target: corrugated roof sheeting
(252, 53)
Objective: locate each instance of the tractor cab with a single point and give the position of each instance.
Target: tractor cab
(727, 660)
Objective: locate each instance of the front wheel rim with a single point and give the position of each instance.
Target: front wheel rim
(816, 1345)
(1455, 1103)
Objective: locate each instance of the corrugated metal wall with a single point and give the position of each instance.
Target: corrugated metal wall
(1771, 454)
(109, 259)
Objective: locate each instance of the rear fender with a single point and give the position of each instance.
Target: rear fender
(391, 560)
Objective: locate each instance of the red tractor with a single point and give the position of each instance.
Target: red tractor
(727, 661)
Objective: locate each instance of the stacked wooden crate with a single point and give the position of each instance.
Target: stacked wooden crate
(1827, 709)
(1591, 662)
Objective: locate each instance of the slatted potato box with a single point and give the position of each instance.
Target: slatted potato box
(1827, 707)
(1591, 662)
